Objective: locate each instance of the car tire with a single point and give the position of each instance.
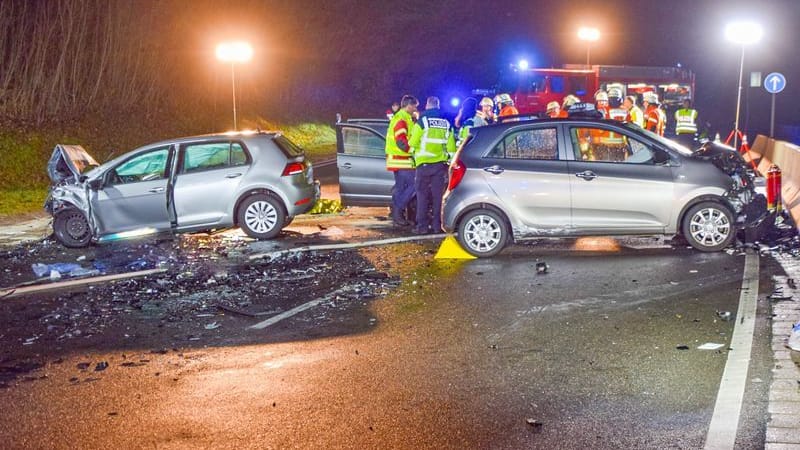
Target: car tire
(483, 233)
(709, 226)
(71, 228)
(261, 216)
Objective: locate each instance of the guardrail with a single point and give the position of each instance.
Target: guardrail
(767, 151)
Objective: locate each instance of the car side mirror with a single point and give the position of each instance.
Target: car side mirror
(96, 184)
(660, 156)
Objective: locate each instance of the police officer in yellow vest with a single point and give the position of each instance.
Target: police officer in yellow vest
(686, 124)
(432, 141)
(399, 159)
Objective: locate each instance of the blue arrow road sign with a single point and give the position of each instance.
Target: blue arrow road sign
(774, 82)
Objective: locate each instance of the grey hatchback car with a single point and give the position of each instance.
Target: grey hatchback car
(579, 177)
(254, 180)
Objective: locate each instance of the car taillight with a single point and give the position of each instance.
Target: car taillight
(293, 168)
(457, 171)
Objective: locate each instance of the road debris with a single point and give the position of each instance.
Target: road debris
(710, 346)
(725, 315)
(794, 338)
(682, 347)
(535, 424)
(542, 268)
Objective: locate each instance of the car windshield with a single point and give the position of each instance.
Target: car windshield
(683, 150)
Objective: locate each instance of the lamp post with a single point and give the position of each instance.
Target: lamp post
(589, 35)
(742, 33)
(234, 52)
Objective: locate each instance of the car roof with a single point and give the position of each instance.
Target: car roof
(214, 136)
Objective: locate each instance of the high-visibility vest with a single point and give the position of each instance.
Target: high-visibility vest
(432, 139)
(686, 121)
(636, 116)
(463, 132)
(397, 158)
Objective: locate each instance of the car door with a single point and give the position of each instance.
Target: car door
(526, 171)
(206, 183)
(134, 195)
(616, 185)
(361, 160)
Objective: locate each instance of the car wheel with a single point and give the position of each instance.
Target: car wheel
(287, 221)
(261, 216)
(482, 233)
(709, 226)
(71, 228)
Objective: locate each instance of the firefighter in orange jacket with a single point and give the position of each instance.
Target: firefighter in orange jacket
(505, 104)
(601, 102)
(399, 158)
(554, 111)
(655, 119)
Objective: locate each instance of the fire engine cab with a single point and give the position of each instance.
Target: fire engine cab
(532, 88)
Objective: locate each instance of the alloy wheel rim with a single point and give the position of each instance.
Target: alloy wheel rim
(482, 233)
(709, 227)
(261, 216)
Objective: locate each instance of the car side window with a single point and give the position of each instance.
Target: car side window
(148, 166)
(214, 155)
(539, 143)
(358, 142)
(604, 145)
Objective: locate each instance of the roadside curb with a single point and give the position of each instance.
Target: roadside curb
(783, 426)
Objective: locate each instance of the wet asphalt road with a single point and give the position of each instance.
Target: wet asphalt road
(475, 354)
(460, 354)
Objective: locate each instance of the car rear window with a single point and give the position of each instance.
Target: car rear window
(289, 148)
(214, 155)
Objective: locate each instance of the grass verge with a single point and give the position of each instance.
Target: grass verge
(22, 201)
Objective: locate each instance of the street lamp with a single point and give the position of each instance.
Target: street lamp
(589, 35)
(234, 52)
(743, 33)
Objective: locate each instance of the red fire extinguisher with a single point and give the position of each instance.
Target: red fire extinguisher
(774, 188)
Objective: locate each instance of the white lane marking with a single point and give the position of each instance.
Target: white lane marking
(296, 310)
(287, 314)
(725, 420)
(311, 248)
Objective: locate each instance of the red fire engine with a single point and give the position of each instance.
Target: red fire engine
(533, 89)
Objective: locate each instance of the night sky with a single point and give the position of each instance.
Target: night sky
(314, 58)
(458, 44)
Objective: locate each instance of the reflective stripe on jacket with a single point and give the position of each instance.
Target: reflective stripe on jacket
(396, 157)
(432, 139)
(686, 121)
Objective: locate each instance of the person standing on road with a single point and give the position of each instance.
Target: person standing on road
(399, 159)
(432, 142)
(391, 111)
(506, 106)
(635, 114)
(601, 102)
(465, 119)
(554, 111)
(686, 124)
(485, 115)
(654, 116)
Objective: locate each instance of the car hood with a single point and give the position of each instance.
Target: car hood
(723, 157)
(68, 163)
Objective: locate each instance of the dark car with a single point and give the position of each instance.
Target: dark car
(577, 177)
(361, 160)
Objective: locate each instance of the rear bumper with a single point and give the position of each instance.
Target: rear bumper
(304, 200)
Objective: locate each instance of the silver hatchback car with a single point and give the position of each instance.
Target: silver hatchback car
(578, 177)
(254, 180)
